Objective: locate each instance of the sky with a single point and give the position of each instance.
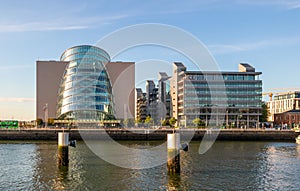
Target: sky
(263, 33)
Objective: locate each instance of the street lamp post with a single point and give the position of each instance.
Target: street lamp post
(45, 108)
(226, 118)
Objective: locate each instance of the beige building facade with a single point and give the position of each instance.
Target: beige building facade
(282, 103)
(49, 75)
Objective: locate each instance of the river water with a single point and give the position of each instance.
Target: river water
(226, 166)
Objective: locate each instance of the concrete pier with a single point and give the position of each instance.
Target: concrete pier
(139, 134)
(63, 149)
(173, 146)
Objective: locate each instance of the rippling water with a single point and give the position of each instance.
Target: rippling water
(227, 166)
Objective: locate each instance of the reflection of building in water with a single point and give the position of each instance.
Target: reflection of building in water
(174, 182)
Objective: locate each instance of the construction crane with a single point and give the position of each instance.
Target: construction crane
(283, 91)
(270, 95)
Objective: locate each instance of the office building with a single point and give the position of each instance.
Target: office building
(282, 103)
(141, 105)
(164, 94)
(85, 91)
(48, 78)
(231, 99)
(71, 85)
(289, 119)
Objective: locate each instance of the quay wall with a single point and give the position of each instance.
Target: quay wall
(142, 134)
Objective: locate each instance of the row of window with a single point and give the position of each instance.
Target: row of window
(92, 78)
(221, 77)
(89, 50)
(245, 105)
(217, 98)
(74, 107)
(228, 92)
(84, 91)
(224, 85)
(86, 83)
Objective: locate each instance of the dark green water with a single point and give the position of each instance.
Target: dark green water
(226, 166)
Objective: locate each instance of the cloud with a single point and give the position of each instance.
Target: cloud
(287, 4)
(15, 99)
(60, 24)
(239, 47)
(14, 67)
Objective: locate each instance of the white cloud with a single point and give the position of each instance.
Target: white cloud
(15, 99)
(287, 4)
(239, 47)
(59, 24)
(13, 67)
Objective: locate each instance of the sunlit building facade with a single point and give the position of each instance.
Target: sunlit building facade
(85, 91)
(283, 102)
(230, 99)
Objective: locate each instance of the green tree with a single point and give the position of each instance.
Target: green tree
(109, 117)
(265, 112)
(39, 121)
(165, 122)
(172, 121)
(198, 122)
(51, 121)
(148, 120)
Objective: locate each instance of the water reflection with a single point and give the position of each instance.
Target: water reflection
(227, 166)
(174, 182)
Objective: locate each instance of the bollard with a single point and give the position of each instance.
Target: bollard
(173, 144)
(63, 148)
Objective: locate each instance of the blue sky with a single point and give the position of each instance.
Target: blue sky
(264, 33)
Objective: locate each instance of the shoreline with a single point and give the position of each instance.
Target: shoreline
(149, 134)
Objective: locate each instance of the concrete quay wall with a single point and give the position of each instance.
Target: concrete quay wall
(142, 134)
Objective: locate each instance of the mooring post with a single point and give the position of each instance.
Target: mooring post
(173, 144)
(63, 148)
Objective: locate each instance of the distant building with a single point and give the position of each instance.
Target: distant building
(164, 94)
(56, 80)
(289, 118)
(282, 103)
(141, 105)
(153, 108)
(156, 101)
(217, 98)
(48, 78)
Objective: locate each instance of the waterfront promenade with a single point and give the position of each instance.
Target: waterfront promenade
(148, 134)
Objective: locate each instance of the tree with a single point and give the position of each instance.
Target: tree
(265, 113)
(51, 121)
(109, 117)
(165, 122)
(148, 120)
(39, 121)
(172, 121)
(198, 122)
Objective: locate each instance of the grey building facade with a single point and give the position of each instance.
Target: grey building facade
(231, 99)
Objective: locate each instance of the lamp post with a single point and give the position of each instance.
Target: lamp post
(45, 108)
(226, 118)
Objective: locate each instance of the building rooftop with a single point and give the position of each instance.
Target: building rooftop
(244, 67)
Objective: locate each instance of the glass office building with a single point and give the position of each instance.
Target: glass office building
(85, 91)
(231, 99)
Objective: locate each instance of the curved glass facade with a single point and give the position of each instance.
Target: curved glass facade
(85, 91)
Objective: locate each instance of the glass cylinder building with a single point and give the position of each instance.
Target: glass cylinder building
(85, 91)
